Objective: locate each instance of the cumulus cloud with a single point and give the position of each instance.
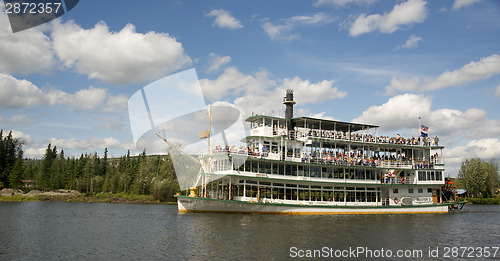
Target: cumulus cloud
(233, 82)
(224, 19)
(24, 52)
(404, 14)
(403, 112)
(400, 111)
(17, 93)
(463, 3)
(216, 62)
(412, 42)
(464, 134)
(284, 31)
(484, 149)
(90, 144)
(22, 136)
(280, 31)
(122, 57)
(262, 93)
(473, 71)
(342, 3)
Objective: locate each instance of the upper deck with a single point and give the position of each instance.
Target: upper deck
(306, 128)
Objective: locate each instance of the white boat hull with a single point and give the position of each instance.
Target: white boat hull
(196, 204)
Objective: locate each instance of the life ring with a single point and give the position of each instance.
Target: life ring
(396, 200)
(403, 180)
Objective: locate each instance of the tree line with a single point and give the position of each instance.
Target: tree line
(89, 173)
(479, 178)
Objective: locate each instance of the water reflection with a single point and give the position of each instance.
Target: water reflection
(56, 230)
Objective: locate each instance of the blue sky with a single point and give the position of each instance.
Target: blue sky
(386, 63)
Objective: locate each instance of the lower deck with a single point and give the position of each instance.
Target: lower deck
(199, 204)
(244, 189)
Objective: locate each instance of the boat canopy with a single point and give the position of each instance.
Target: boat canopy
(323, 124)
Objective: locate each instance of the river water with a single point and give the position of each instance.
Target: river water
(107, 231)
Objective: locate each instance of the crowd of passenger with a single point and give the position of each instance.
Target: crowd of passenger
(353, 159)
(340, 135)
(337, 158)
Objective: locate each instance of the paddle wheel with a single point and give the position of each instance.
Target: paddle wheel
(448, 190)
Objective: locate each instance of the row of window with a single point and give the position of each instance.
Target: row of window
(410, 190)
(298, 170)
(430, 175)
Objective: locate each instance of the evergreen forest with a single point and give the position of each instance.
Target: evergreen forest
(140, 175)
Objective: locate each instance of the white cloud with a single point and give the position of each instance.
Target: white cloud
(484, 149)
(402, 112)
(280, 31)
(497, 92)
(216, 62)
(343, 3)
(224, 19)
(263, 93)
(404, 14)
(23, 136)
(463, 3)
(122, 57)
(17, 93)
(233, 82)
(24, 52)
(285, 31)
(306, 92)
(473, 71)
(412, 42)
(464, 134)
(34, 152)
(90, 144)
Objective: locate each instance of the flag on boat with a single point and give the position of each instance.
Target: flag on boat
(424, 131)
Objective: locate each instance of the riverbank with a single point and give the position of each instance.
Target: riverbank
(75, 196)
(484, 201)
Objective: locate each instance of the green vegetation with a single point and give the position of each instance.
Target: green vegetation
(479, 178)
(484, 201)
(143, 177)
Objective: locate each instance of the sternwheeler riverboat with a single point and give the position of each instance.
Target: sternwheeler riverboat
(311, 166)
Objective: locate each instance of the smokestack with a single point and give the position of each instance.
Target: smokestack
(288, 101)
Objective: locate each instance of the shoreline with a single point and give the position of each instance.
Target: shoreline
(75, 196)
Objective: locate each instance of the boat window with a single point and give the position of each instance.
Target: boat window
(429, 190)
(254, 124)
(420, 190)
(395, 191)
(410, 190)
(268, 122)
